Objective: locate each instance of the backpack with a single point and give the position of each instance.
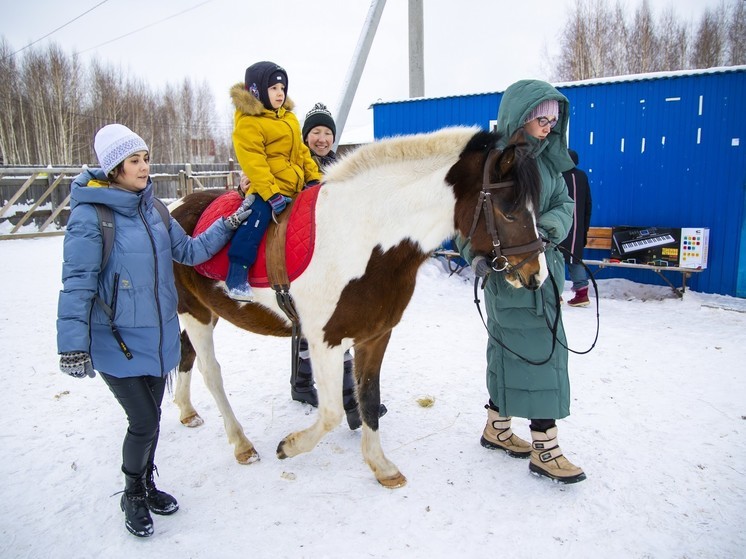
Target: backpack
(106, 224)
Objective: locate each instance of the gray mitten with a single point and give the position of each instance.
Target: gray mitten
(481, 266)
(243, 212)
(76, 364)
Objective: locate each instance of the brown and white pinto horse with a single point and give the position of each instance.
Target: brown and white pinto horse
(380, 213)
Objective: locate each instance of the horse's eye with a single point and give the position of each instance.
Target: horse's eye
(510, 217)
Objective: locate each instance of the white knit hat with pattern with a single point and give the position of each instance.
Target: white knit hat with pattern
(114, 143)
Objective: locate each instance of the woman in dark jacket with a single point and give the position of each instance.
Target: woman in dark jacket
(519, 318)
(580, 192)
(121, 319)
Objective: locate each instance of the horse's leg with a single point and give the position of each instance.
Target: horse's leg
(368, 359)
(328, 364)
(201, 337)
(183, 396)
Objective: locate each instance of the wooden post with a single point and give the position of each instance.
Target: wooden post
(189, 179)
(230, 183)
(181, 190)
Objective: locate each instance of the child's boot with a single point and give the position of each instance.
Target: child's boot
(237, 283)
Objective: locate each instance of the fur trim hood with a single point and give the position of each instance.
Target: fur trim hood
(246, 103)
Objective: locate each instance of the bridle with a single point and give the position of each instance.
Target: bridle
(499, 253)
(536, 247)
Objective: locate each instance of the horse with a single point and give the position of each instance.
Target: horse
(380, 213)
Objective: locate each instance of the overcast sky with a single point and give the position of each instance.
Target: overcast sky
(471, 46)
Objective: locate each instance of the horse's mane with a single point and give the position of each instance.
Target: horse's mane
(440, 147)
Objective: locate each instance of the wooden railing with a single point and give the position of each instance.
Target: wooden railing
(37, 187)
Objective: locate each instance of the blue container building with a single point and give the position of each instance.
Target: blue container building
(660, 150)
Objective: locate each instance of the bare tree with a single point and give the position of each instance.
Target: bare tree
(737, 34)
(643, 42)
(709, 46)
(673, 42)
(598, 42)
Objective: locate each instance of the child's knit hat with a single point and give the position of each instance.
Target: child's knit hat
(318, 116)
(114, 143)
(547, 108)
(263, 75)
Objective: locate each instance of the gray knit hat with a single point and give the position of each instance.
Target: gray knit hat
(114, 143)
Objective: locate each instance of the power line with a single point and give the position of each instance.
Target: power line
(146, 27)
(55, 30)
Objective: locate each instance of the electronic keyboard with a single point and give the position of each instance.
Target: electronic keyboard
(641, 239)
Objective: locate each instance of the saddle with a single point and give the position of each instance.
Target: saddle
(290, 241)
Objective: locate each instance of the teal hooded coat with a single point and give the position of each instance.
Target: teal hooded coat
(519, 318)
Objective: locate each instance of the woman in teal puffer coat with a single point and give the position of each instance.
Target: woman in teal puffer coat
(519, 318)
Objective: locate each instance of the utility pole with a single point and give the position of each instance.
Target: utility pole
(416, 50)
(355, 71)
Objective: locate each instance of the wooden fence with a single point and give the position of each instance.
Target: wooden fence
(39, 197)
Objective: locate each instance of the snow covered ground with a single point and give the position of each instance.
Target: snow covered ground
(658, 423)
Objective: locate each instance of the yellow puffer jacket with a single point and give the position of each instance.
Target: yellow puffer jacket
(269, 147)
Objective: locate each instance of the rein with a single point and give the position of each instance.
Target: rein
(499, 262)
(552, 327)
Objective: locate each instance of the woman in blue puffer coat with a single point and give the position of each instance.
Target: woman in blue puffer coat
(122, 320)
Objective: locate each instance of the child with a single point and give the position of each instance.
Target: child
(269, 148)
(121, 319)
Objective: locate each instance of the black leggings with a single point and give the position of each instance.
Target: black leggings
(141, 399)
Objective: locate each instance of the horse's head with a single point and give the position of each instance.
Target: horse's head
(497, 196)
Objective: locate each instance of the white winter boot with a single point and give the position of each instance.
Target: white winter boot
(547, 459)
(498, 435)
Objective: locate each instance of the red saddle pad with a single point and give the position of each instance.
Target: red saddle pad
(299, 242)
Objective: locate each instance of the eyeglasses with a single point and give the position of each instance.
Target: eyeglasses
(543, 121)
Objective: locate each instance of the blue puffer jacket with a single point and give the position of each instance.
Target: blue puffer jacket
(137, 283)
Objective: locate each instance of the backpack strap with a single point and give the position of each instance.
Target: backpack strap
(163, 210)
(106, 225)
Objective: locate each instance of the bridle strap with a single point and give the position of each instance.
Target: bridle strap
(485, 205)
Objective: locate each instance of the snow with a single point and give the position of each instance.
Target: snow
(658, 425)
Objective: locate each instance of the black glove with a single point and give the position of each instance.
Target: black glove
(481, 266)
(243, 212)
(76, 364)
(310, 184)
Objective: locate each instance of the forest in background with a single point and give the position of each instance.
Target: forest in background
(52, 104)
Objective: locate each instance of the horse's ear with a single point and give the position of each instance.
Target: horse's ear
(518, 137)
(509, 156)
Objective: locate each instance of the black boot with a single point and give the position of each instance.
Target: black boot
(301, 384)
(137, 518)
(159, 502)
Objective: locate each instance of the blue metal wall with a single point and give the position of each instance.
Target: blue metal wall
(667, 150)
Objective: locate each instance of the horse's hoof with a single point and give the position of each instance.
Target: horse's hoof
(193, 421)
(281, 450)
(247, 457)
(393, 482)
